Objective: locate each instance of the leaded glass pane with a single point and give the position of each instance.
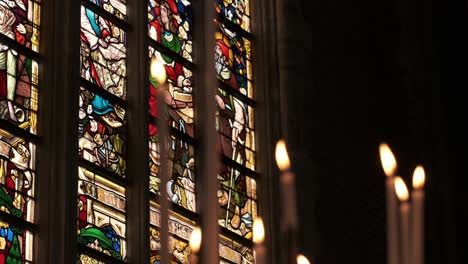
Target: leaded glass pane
(103, 53)
(18, 89)
(101, 132)
(101, 214)
(170, 24)
(237, 197)
(17, 176)
(236, 11)
(179, 235)
(19, 20)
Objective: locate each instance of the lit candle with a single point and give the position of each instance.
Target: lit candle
(158, 73)
(288, 195)
(301, 259)
(389, 165)
(258, 239)
(195, 244)
(417, 206)
(403, 196)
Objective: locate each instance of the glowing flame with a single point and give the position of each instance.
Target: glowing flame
(157, 71)
(419, 177)
(388, 159)
(301, 259)
(258, 231)
(282, 158)
(195, 240)
(401, 190)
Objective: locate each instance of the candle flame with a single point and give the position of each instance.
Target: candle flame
(401, 189)
(282, 158)
(195, 240)
(419, 177)
(388, 159)
(258, 230)
(301, 259)
(157, 71)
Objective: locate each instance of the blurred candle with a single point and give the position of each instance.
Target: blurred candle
(288, 200)
(417, 206)
(258, 239)
(389, 166)
(158, 72)
(195, 244)
(301, 259)
(403, 196)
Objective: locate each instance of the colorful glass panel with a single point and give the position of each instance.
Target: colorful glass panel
(178, 95)
(19, 20)
(16, 244)
(181, 186)
(101, 214)
(231, 251)
(18, 89)
(179, 230)
(237, 197)
(236, 11)
(85, 259)
(103, 53)
(232, 60)
(101, 132)
(235, 126)
(170, 23)
(17, 176)
(116, 7)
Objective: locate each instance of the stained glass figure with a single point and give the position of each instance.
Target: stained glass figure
(235, 126)
(116, 7)
(178, 95)
(19, 20)
(181, 186)
(18, 89)
(17, 176)
(232, 59)
(179, 231)
(231, 251)
(236, 11)
(101, 214)
(103, 53)
(101, 132)
(237, 197)
(170, 23)
(15, 244)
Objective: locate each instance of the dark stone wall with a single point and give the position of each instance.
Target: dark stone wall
(353, 74)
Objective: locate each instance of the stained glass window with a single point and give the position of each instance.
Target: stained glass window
(19, 44)
(102, 133)
(170, 28)
(237, 185)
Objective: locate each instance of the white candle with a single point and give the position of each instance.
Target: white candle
(301, 259)
(417, 225)
(287, 181)
(258, 239)
(288, 201)
(389, 165)
(403, 196)
(195, 244)
(158, 72)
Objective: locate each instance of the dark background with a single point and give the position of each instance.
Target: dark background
(354, 74)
